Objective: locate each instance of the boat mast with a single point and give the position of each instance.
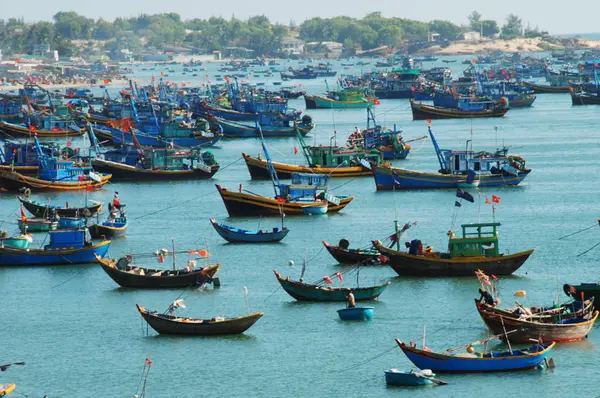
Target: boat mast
(305, 149)
(270, 168)
(173, 243)
(438, 151)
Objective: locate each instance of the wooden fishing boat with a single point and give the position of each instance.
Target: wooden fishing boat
(316, 101)
(21, 241)
(356, 313)
(523, 330)
(344, 255)
(46, 210)
(395, 377)
(114, 227)
(424, 112)
(315, 209)
(15, 181)
(233, 129)
(37, 224)
(476, 250)
(126, 274)
(306, 292)
(250, 204)
(583, 98)
(122, 171)
(259, 169)
(237, 235)
(21, 131)
(516, 359)
(66, 247)
(546, 89)
(550, 314)
(457, 167)
(171, 324)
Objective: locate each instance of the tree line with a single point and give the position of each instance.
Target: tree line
(161, 31)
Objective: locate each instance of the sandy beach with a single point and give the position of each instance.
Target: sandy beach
(515, 45)
(114, 83)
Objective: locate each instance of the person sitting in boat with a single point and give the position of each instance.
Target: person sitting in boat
(351, 300)
(356, 131)
(487, 298)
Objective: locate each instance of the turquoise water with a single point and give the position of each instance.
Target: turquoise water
(81, 335)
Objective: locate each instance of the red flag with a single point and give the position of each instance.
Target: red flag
(23, 216)
(495, 199)
(161, 258)
(295, 150)
(148, 361)
(339, 275)
(487, 201)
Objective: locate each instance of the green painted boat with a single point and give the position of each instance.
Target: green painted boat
(15, 242)
(302, 291)
(37, 225)
(324, 102)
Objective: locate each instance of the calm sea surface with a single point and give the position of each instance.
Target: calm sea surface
(81, 335)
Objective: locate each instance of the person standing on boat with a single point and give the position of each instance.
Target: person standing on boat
(351, 300)
(116, 202)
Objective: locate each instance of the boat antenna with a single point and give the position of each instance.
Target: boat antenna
(173, 243)
(424, 334)
(246, 298)
(496, 130)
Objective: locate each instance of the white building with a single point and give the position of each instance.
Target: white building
(471, 36)
(292, 46)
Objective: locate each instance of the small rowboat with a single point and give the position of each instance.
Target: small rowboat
(546, 89)
(171, 324)
(6, 389)
(356, 313)
(515, 359)
(345, 255)
(236, 235)
(108, 230)
(395, 377)
(37, 224)
(45, 210)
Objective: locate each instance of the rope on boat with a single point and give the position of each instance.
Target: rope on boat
(576, 232)
(367, 361)
(235, 161)
(341, 185)
(72, 277)
(593, 247)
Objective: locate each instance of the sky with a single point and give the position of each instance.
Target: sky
(547, 15)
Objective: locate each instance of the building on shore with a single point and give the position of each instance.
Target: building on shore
(472, 36)
(292, 46)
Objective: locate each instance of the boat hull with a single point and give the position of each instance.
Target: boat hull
(44, 211)
(121, 171)
(86, 255)
(429, 266)
(245, 204)
(545, 89)
(580, 99)
(425, 112)
(387, 178)
(17, 131)
(254, 237)
(344, 256)
(522, 331)
(34, 225)
(259, 171)
(303, 292)
(441, 363)
(165, 324)
(320, 102)
(405, 379)
(241, 130)
(14, 181)
(105, 231)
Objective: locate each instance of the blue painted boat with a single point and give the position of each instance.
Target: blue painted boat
(237, 235)
(356, 313)
(457, 168)
(66, 247)
(395, 377)
(268, 123)
(496, 361)
(314, 292)
(70, 222)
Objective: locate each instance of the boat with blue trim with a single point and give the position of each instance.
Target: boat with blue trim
(115, 225)
(494, 361)
(237, 235)
(467, 109)
(456, 167)
(271, 124)
(66, 247)
(356, 313)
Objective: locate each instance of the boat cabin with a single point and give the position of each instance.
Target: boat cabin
(334, 156)
(52, 169)
(304, 185)
(480, 239)
(23, 154)
(462, 161)
(68, 239)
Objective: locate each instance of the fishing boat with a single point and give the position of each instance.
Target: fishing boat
(495, 361)
(477, 249)
(22, 157)
(6, 389)
(41, 210)
(127, 274)
(316, 101)
(302, 291)
(456, 167)
(66, 247)
(237, 235)
(54, 174)
(395, 377)
(356, 313)
(399, 83)
(546, 89)
(37, 224)
(476, 110)
(331, 160)
(20, 241)
(315, 209)
(523, 329)
(14, 130)
(272, 125)
(344, 255)
(583, 291)
(114, 227)
(584, 98)
(138, 163)
(172, 324)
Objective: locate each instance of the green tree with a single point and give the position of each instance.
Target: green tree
(513, 27)
(489, 28)
(446, 29)
(474, 20)
(390, 35)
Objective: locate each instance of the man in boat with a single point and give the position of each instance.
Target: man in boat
(116, 202)
(351, 300)
(486, 297)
